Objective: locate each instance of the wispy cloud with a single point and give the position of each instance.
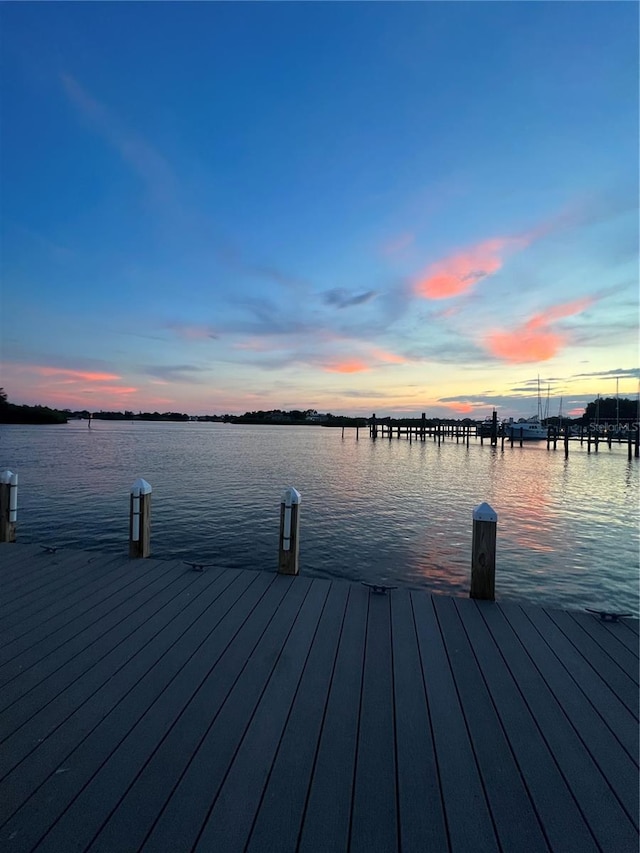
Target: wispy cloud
(345, 299)
(142, 157)
(346, 366)
(461, 271)
(619, 373)
(163, 184)
(537, 339)
(399, 244)
(86, 375)
(177, 372)
(193, 331)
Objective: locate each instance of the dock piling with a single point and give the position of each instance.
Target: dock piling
(8, 506)
(140, 520)
(289, 528)
(483, 553)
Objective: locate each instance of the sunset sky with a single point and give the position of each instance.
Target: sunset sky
(350, 207)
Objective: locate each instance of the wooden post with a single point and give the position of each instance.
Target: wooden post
(566, 441)
(483, 553)
(342, 432)
(140, 520)
(289, 529)
(637, 450)
(374, 426)
(8, 506)
(494, 429)
(357, 433)
(630, 441)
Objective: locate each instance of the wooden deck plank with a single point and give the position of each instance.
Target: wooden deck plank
(32, 600)
(633, 625)
(231, 817)
(121, 667)
(606, 635)
(561, 818)
(54, 600)
(615, 764)
(121, 726)
(602, 810)
(87, 665)
(620, 720)
(374, 821)
(511, 807)
(420, 808)
(150, 762)
(613, 675)
(328, 810)
(469, 821)
(22, 567)
(111, 577)
(163, 709)
(186, 811)
(621, 631)
(81, 624)
(12, 554)
(280, 812)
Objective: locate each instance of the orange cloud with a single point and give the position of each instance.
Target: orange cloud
(76, 374)
(389, 357)
(535, 340)
(353, 366)
(462, 408)
(461, 271)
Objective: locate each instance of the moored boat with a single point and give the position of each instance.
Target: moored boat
(529, 429)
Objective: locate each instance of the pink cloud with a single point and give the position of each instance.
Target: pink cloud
(460, 407)
(87, 375)
(388, 357)
(347, 366)
(535, 340)
(461, 271)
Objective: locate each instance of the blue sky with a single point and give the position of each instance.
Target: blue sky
(353, 207)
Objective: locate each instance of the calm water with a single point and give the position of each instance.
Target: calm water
(384, 511)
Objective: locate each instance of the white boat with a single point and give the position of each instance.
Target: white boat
(529, 429)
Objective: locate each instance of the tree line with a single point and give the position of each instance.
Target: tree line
(603, 409)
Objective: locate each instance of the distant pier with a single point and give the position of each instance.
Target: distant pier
(494, 433)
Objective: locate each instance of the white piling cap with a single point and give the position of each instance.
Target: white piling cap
(485, 513)
(6, 476)
(140, 487)
(291, 496)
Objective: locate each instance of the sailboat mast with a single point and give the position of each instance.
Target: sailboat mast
(539, 401)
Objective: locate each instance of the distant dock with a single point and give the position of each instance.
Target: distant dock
(492, 432)
(146, 706)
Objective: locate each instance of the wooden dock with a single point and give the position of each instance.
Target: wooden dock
(149, 706)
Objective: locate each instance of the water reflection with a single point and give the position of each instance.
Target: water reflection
(387, 510)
